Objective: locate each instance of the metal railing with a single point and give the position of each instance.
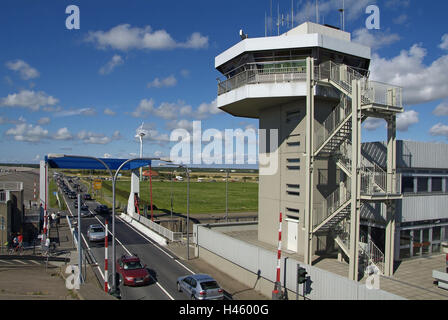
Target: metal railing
(339, 114)
(258, 73)
(382, 93)
(11, 185)
(170, 235)
(374, 254)
(372, 92)
(331, 204)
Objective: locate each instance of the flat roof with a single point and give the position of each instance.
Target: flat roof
(300, 37)
(73, 162)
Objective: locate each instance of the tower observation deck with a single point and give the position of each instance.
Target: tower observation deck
(312, 85)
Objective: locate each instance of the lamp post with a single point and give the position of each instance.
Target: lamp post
(114, 179)
(227, 193)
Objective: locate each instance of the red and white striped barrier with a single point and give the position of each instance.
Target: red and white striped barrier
(277, 286)
(279, 249)
(106, 260)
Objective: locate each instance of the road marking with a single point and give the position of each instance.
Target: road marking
(34, 261)
(19, 261)
(4, 261)
(116, 238)
(152, 242)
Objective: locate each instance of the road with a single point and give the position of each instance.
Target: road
(163, 265)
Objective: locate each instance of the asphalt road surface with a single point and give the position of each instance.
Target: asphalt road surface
(164, 266)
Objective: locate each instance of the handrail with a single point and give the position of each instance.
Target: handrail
(263, 75)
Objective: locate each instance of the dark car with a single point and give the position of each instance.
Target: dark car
(102, 209)
(131, 271)
(84, 207)
(87, 197)
(200, 287)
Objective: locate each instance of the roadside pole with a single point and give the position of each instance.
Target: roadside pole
(106, 259)
(79, 239)
(188, 213)
(277, 292)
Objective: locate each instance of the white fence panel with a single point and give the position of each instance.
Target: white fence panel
(324, 285)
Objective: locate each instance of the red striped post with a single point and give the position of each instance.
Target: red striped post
(150, 190)
(279, 249)
(106, 260)
(276, 293)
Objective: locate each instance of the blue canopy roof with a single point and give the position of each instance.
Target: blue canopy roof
(73, 162)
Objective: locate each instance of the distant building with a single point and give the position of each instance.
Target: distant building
(11, 209)
(422, 214)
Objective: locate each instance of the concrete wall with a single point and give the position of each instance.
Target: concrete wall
(285, 191)
(256, 267)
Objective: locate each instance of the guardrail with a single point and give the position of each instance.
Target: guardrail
(259, 73)
(170, 235)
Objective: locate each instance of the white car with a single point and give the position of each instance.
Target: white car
(96, 233)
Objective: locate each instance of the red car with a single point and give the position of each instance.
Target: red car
(132, 272)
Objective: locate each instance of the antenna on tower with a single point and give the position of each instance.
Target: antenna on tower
(292, 14)
(317, 11)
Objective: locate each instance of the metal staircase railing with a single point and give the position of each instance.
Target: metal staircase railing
(372, 92)
(334, 128)
(335, 208)
(372, 252)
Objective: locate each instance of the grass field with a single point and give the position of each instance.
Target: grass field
(205, 197)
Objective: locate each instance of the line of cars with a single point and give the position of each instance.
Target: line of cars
(131, 272)
(129, 268)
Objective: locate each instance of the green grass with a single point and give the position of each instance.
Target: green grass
(205, 197)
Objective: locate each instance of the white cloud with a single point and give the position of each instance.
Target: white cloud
(371, 124)
(441, 109)
(28, 99)
(24, 69)
(354, 9)
(89, 137)
(63, 134)
(43, 120)
(170, 81)
(406, 119)
(124, 37)
(420, 83)
(165, 110)
(439, 130)
(109, 112)
(111, 64)
(401, 19)
(27, 132)
(172, 111)
(444, 44)
(374, 39)
(179, 124)
(76, 112)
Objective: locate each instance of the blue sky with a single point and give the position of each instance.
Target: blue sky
(87, 91)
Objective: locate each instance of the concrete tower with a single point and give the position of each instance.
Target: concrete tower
(312, 85)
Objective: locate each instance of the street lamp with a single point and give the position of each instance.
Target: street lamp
(227, 192)
(114, 179)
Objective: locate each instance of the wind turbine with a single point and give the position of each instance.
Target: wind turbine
(140, 134)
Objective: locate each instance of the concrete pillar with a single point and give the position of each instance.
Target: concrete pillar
(135, 189)
(391, 169)
(309, 187)
(355, 182)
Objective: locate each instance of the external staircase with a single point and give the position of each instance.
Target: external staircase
(333, 140)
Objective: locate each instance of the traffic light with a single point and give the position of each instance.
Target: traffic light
(301, 275)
